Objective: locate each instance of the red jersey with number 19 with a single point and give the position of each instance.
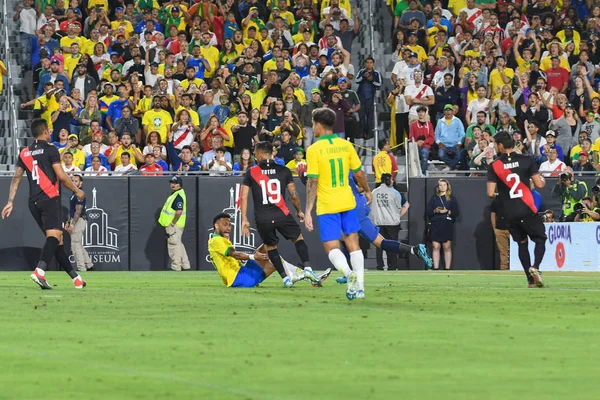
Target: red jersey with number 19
(268, 182)
(37, 160)
(512, 173)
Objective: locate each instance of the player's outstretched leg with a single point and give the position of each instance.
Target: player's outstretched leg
(39, 274)
(63, 261)
(302, 250)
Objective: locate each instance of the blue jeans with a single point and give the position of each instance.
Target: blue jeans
(26, 39)
(450, 161)
(424, 157)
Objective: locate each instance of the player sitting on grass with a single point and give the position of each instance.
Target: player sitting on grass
(228, 262)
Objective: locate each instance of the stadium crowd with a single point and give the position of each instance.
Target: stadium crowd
(469, 68)
(171, 85)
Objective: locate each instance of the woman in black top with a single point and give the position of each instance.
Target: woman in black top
(442, 209)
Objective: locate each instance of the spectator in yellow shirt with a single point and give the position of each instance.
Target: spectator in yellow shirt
(298, 161)
(120, 21)
(382, 162)
(211, 54)
(3, 72)
(157, 119)
(499, 77)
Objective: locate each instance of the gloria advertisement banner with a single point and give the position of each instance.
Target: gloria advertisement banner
(571, 246)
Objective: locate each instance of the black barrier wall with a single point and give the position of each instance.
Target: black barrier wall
(474, 244)
(123, 232)
(122, 226)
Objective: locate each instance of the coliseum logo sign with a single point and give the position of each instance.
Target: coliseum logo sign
(100, 239)
(240, 242)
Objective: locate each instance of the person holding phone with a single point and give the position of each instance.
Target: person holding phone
(443, 210)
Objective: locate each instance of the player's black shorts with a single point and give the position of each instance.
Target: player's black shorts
(287, 226)
(532, 227)
(47, 213)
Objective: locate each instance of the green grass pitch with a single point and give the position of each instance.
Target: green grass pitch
(418, 335)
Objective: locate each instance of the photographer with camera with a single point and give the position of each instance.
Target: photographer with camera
(571, 191)
(585, 211)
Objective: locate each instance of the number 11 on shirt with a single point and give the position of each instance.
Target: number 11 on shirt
(337, 172)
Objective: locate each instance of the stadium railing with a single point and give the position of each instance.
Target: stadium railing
(12, 123)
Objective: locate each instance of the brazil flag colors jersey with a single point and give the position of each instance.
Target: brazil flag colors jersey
(331, 159)
(227, 267)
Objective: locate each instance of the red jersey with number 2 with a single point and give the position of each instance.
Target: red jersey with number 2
(512, 174)
(268, 182)
(37, 160)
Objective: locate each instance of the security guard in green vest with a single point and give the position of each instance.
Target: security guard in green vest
(571, 191)
(172, 217)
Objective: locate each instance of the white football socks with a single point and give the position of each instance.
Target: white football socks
(290, 269)
(357, 259)
(338, 259)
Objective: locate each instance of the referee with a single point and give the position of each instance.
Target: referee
(41, 162)
(172, 217)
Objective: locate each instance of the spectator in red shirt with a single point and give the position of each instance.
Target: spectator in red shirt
(422, 132)
(150, 168)
(558, 77)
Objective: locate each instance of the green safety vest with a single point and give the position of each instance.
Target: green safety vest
(568, 200)
(168, 213)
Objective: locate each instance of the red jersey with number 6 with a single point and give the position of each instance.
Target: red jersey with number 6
(268, 182)
(511, 173)
(37, 161)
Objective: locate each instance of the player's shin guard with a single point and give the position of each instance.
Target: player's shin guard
(63, 261)
(302, 250)
(538, 253)
(357, 259)
(48, 252)
(276, 261)
(525, 259)
(339, 261)
(394, 246)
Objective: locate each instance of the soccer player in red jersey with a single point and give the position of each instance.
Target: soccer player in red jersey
(41, 162)
(508, 180)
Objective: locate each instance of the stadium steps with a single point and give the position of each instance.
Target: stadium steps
(11, 57)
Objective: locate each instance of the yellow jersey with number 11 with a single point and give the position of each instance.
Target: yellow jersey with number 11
(330, 159)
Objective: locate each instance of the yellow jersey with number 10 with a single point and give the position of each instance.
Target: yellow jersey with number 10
(330, 159)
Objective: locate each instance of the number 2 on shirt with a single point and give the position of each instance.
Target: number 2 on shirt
(335, 174)
(35, 172)
(513, 192)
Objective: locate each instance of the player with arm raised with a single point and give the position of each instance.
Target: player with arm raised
(269, 182)
(41, 162)
(508, 179)
(329, 161)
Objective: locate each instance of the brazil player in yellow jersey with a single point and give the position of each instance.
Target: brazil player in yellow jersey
(228, 262)
(329, 162)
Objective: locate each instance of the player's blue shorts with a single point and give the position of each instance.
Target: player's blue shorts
(331, 226)
(367, 229)
(249, 275)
